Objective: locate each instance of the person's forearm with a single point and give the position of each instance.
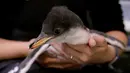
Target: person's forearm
(10, 49)
(120, 36)
(110, 55)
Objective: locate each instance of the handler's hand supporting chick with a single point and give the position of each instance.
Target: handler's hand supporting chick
(97, 51)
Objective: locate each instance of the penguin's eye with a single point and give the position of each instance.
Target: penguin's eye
(57, 31)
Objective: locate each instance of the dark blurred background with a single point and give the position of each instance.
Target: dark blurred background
(123, 64)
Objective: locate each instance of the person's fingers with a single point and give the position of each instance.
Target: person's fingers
(81, 48)
(59, 47)
(54, 62)
(79, 57)
(100, 40)
(63, 66)
(50, 61)
(32, 40)
(72, 53)
(47, 58)
(44, 58)
(101, 44)
(91, 42)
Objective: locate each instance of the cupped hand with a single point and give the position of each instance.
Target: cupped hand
(95, 51)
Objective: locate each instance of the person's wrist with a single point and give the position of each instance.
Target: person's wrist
(111, 53)
(108, 55)
(115, 57)
(104, 57)
(25, 51)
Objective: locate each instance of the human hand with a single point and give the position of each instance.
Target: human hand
(54, 61)
(27, 50)
(96, 51)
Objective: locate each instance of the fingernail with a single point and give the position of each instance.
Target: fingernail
(92, 42)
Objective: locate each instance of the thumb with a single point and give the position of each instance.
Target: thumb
(32, 40)
(30, 43)
(100, 40)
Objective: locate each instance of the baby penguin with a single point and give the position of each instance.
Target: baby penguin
(63, 26)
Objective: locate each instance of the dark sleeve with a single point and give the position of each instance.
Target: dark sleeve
(5, 30)
(8, 17)
(108, 16)
(6, 25)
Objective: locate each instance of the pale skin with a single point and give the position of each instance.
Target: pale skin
(11, 49)
(98, 51)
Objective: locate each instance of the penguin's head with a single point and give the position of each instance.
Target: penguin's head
(62, 25)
